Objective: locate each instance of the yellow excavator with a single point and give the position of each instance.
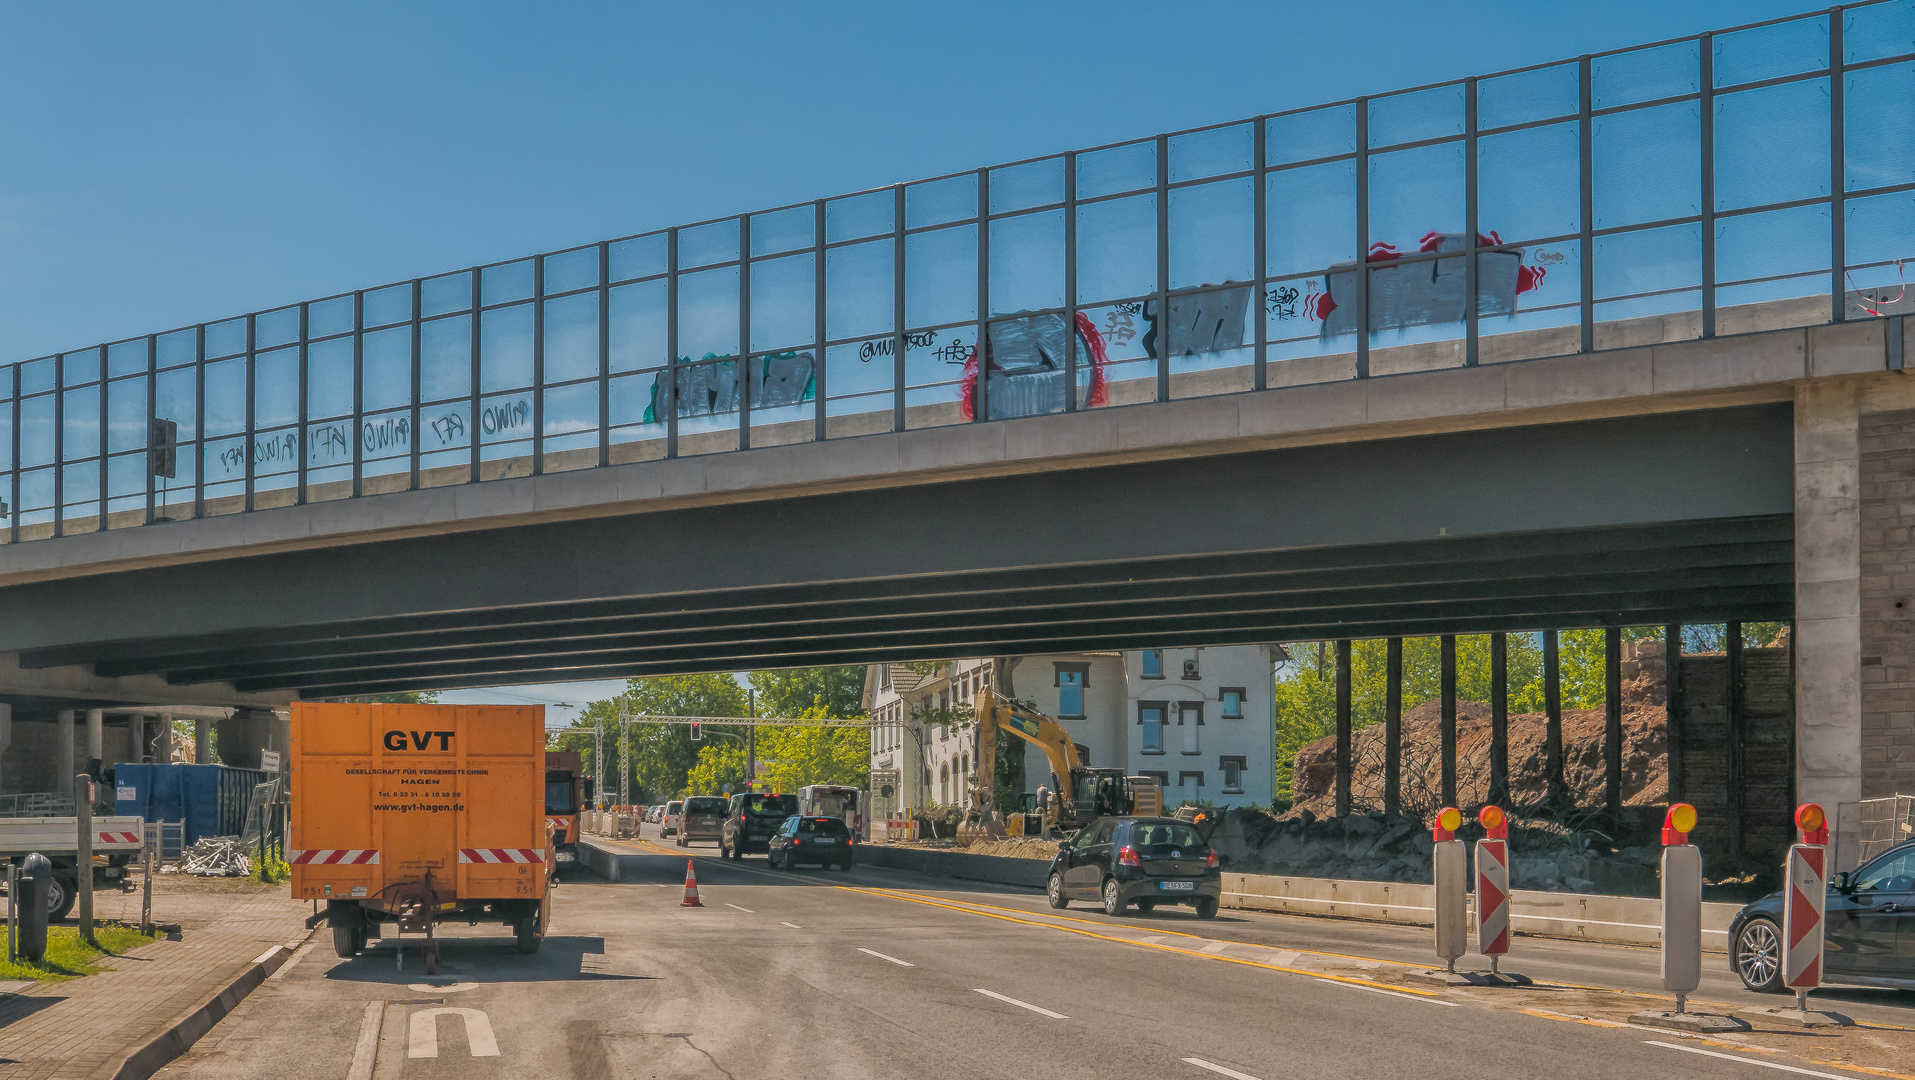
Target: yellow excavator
(1084, 793)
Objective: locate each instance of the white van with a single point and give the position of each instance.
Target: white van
(837, 801)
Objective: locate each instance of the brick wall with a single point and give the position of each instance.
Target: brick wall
(1887, 447)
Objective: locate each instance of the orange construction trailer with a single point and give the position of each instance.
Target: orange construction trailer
(404, 816)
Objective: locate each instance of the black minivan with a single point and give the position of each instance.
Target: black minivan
(751, 819)
(1147, 861)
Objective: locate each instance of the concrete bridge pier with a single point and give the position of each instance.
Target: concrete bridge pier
(68, 749)
(202, 740)
(96, 734)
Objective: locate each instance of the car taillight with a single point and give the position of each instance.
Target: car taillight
(795, 841)
(1128, 857)
(1212, 860)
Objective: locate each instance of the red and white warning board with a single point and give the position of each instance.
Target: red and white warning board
(501, 855)
(119, 838)
(333, 857)
(1492, 897)
(1806, 893)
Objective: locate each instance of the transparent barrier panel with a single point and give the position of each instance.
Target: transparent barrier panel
(784, 397)
(1772, 269)
(860, 382)
(708, 406)
(1881, 249)
(1543, 315)
(1299, 349)
(935, 374)
(635, 405)
(569, 426)
(445, 443)
(1416, 311)
(1130, 372)
(505, 426)
(1648, 286)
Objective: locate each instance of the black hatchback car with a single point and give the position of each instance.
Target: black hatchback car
(825, 841)
(1868, 928)
(1147, 861)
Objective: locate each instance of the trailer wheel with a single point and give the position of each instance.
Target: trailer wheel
(345, 941)
(529, 937)
(61, 895)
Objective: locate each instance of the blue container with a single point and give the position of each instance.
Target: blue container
(207, 800)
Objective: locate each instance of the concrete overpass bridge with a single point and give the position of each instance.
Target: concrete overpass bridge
(1610, 342)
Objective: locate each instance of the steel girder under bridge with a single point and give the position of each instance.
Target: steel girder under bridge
(1646, 520)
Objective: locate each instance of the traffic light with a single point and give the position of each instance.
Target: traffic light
(697, 731)
(164, 439)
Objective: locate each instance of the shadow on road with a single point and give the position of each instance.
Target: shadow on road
(480, 959)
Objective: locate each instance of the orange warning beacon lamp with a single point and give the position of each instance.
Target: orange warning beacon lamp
(1495, 822)
(1678, 824)
(1814, 823)
(1448, 820)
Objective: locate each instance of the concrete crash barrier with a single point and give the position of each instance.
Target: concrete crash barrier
(1626, 920)
(956, 864)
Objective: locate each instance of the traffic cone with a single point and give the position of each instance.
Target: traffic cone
(691, 887)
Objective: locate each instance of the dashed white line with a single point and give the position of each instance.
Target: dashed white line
(1218, 1069)
(793, 925)
(881, 956)
(1022, 1004)
(746, 910)
(1746, 1060)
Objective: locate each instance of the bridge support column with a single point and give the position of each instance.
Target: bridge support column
(67, 751)
(136, 738)
(202, 741)
(163, 746)
(1828, 591)
(96, 734)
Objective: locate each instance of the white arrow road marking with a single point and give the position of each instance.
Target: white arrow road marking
(746, 910)
(442, 988)
(1219, 1069)
(881, 956)
(1022, 1004)
(1745, 1060)
(423, 1040)
(368, 1048)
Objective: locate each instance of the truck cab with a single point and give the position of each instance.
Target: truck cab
(566, 790)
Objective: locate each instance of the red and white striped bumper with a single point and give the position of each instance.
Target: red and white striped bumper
(501, 855)
(334, 857)
(119, 838)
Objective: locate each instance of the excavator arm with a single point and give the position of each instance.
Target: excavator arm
(994, 711)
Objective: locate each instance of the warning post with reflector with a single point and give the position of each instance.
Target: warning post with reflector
(1450, 872)
(1805, 891)
(1682, 929)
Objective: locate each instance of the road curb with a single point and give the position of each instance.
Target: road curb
(141, 1062)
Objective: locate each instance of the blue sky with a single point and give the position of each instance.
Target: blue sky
(169, 163)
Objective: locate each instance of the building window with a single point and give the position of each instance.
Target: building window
(884, 676)
(944, 782)
(1071, 681)
(1150, 717)
(1232, 774)
(1190, 785)
(1232, 698)
(1153, 664)
(1190, 717)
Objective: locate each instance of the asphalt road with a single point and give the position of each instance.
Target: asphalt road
(881, 974)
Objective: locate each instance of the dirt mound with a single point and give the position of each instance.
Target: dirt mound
(1645, 762)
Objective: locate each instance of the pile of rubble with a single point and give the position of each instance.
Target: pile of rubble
(1545, 855)
(1016, 847)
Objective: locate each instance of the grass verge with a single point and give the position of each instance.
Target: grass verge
(68, 956)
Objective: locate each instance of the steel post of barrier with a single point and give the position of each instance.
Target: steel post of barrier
(1450, 872)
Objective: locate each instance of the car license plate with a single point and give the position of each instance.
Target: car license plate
(827, 840)
(1176, 886)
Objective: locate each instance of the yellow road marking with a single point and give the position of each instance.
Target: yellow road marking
(1866, 1069)
(1366, 983)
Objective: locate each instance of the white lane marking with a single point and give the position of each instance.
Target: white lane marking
(1746, 1060)
(793, 925)
(423, 1040)
(298, 955)
(267, 955)
(746, 910)
(364, 1054)
(1394, 994)
(1219, 1069)
(1215, 947)
(1022, 1004)
(881, 956)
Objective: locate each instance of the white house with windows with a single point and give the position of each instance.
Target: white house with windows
(1200, 720)
(1203, 722)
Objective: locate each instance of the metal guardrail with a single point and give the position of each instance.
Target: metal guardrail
(1718, 184)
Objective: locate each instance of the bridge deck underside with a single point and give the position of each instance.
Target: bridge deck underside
(1648, 520)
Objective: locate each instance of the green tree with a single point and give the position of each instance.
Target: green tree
(839, 691)
(718, 764)
(794, 756)
(408, 697)
(662, 755)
